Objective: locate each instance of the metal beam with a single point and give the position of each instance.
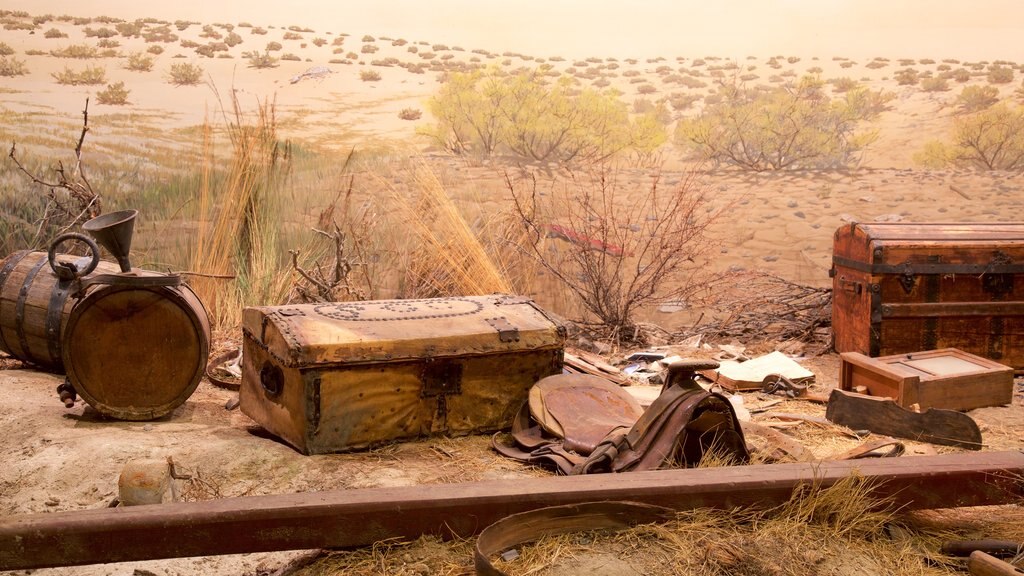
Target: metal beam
(353, 518)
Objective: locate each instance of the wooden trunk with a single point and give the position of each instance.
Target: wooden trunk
(34, 307)
(903, 287)
(948, 378)
(343, 376)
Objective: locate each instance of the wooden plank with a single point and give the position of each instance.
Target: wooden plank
(952, 309)
(352, 518)
(884, 416)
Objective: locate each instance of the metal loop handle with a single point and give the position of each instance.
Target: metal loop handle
(67, 270)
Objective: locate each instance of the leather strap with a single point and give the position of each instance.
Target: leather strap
(526, 527)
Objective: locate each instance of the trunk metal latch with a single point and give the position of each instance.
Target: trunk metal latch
(506, 331)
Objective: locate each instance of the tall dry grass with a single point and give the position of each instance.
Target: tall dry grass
(239, 218)
(446, 255)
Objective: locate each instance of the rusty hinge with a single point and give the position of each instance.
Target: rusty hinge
(506, 331)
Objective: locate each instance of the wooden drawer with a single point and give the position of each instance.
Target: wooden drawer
(947, 378)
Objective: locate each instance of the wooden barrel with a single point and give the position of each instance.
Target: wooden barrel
(34, 307)
(134, 352)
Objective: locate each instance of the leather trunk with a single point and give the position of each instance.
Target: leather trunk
(343, 376)
(908, 287)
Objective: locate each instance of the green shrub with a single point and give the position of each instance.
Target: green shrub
(139, 62)
(934, 85)
(992, 139)
(525, 114)
(976, 98)
(54, 33)
(369, 75)
(89, 76)
(787, 127)
(114, 95)
(11, 66)
(184, 74)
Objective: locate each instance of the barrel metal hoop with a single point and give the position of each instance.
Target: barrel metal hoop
(54, 315)
(12, 261)
(19, 309)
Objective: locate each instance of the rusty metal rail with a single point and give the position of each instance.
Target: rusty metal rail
(352, 518)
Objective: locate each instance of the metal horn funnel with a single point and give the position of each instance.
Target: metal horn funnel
(114, 232)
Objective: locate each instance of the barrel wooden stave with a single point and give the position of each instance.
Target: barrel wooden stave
(35, 306)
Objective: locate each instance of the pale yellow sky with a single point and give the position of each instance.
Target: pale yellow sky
(981, 29)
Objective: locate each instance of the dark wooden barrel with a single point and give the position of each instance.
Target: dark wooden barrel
(136, 353)
(34, 306)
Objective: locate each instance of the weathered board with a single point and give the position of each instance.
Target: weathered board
(884, 416)
(352, 518)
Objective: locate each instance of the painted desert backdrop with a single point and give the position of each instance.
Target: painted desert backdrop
(643, 168)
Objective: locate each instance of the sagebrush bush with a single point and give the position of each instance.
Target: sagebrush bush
(907, 77)
(369, 75)
(369, 49)
(139, 62)
(54, 33)
(114, 95)
(6, 50)
(934, 84)
(78, 51)
(89, 76)
(991, 139)
(258, 31)
(99, 32)
(232, 39)
(184, 74)
(291, 57)
(998, 74)
(410, 114)
(291, 36)
(976, 98)
(273, 46)
(844, 84)
(318, 42)
(786, 127)
(11, 66)
(260, 61)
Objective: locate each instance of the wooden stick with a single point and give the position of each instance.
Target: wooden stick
(981, 564)
(352, 518)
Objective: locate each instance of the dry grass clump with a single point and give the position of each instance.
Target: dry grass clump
(184, 74)
(840, 529)
(79, 51)
(115, 95)
(449, 257)
(236, 211)
(89, 76)
(10, 66)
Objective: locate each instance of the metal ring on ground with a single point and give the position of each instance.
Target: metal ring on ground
(529, 526)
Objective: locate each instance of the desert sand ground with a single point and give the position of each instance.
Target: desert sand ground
(781, 222)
